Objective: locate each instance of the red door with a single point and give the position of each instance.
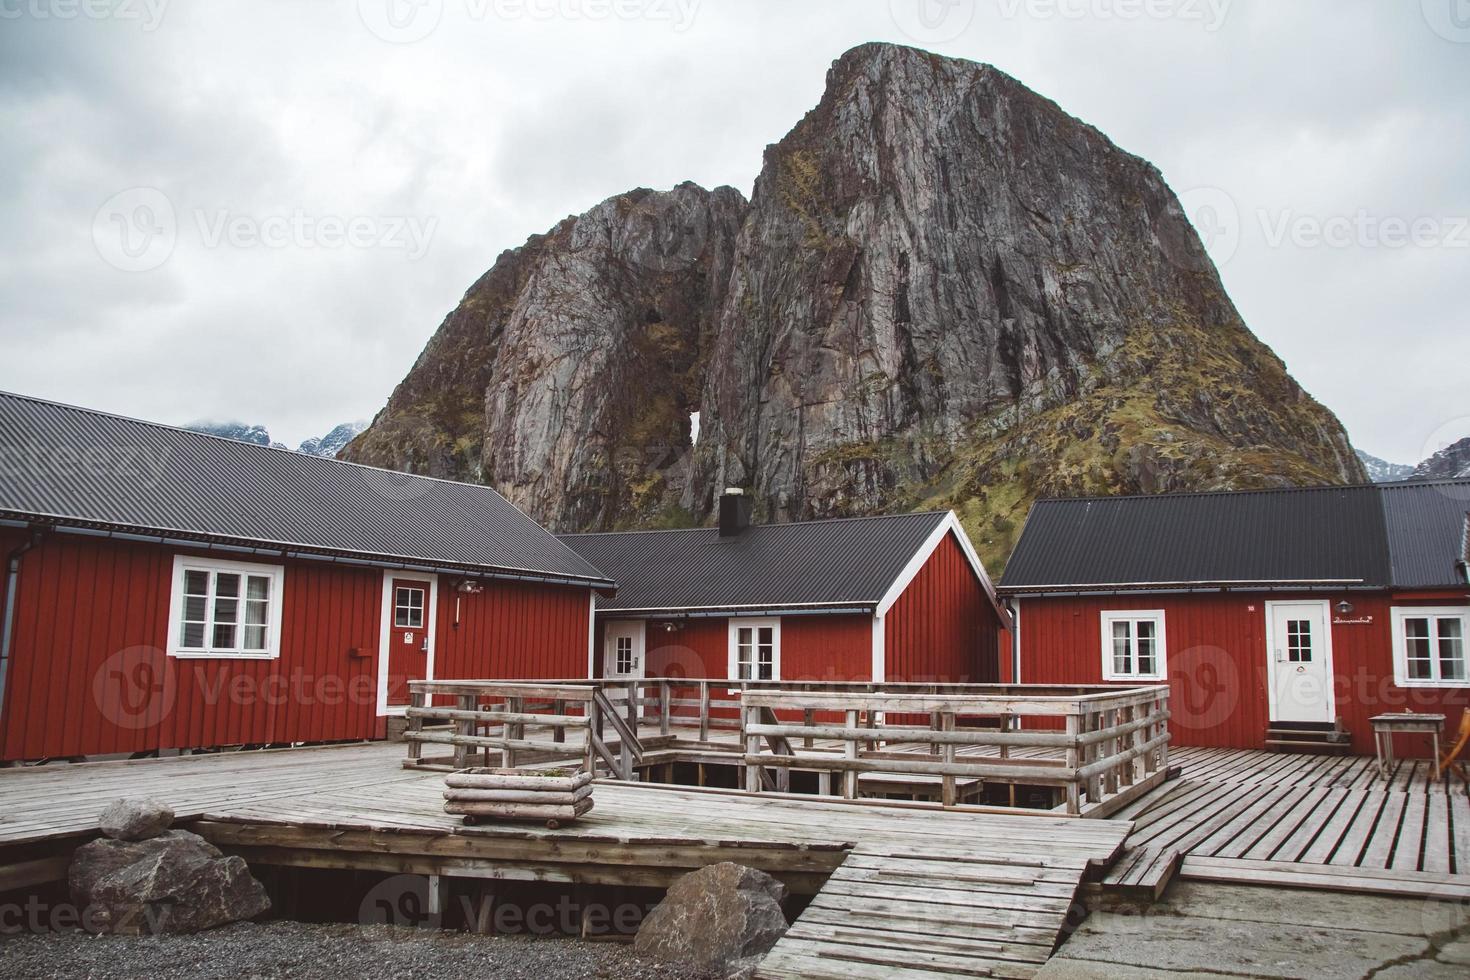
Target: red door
(408, 641)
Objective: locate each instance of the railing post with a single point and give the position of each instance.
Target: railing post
(663, 707)
(559, 708)
(850, 751)
(752, 745)
(416, 699)
(704, 711)
(463, 728)
(808, 718)
(632, 709)
(1073, 804)
(947, 753)
(510, 731)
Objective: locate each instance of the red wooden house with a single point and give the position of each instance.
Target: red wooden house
(900, 598)
(1280, 618)
(166, 589)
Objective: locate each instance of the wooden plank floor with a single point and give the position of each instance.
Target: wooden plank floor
(900, 890)
(1307, 821)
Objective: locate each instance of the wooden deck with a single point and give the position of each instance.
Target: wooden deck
(1327, 822)
(901, 890)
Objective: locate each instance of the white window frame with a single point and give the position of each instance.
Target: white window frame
(422, 608)
(1401, 644)
(212, 566)
(732, 665)
(1161, 659)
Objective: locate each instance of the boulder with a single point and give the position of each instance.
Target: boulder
(176, 882)
(719, 920)
(136, 819)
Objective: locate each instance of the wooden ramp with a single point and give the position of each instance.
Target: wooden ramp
(899, 912)
(1300, 821)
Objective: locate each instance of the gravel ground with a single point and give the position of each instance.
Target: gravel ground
(292, 949)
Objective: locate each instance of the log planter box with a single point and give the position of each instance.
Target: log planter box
(553, 796)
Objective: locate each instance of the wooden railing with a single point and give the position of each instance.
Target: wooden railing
(1107, 745)
(1095, 747)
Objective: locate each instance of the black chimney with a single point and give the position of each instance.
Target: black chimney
(734, 512)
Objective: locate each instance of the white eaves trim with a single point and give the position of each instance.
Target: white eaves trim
(949, 525)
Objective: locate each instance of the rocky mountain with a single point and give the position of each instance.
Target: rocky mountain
(1451, 461)
(1382, 471)
(333, 442)
(944, 292)
(330, 444)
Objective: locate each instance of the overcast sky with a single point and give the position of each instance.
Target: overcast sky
(262, 210)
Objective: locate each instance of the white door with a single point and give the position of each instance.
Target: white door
(1299, 652)
(622, 649)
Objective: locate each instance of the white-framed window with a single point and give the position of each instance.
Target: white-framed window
(1133, 646)
(225, 609)
(623, 654)
(1429, 646)
(408, 607)
(755, 649)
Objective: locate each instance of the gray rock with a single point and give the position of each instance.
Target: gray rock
(176, 882)
(719, 920)
(944, 291)
(135, 819)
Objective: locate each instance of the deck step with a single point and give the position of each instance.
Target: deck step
(1305, 742)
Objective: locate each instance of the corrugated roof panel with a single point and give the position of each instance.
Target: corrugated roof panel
(1328, 533)
(1426, 528)
(85, 466)
(851, 560)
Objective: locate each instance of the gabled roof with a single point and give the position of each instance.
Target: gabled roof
(1391, 535)
(847, 563)
(77, 467)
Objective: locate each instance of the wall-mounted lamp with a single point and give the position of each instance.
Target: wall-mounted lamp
(672, 627)
(1344, 608)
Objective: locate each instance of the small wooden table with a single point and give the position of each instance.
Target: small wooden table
(1386, 726)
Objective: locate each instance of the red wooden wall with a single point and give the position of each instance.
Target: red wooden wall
(813, 648)
(943, 629)
(1216, 650)
(89, 674)
(512, 630)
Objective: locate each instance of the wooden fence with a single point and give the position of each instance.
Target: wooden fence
(1098, 747)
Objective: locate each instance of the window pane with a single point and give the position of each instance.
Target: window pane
(766, 636)
(258, 588)
(1417, 648)
(1122, 647)
(194, 608)
(256, 613)
(224, 637)
(1145, 652)
(196, 582)
(227, 583)
(1451, 648)
(255, 637)
(192, 636)
(225, 610)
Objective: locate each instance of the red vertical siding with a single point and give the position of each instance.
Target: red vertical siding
(813, 648)
(943, 628)
(512, 630)
(89, 674)
(1217, 662)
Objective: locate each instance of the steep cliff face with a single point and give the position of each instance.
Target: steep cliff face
(945, 291)
(1451, 462)
(566, 376)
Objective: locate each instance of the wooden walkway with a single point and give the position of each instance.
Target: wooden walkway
(900, 890)
(1328, 822)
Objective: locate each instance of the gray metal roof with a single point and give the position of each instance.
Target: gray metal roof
(1393, 535)
(850, 561)
(74, 466)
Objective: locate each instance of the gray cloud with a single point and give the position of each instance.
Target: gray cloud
(492, 127)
